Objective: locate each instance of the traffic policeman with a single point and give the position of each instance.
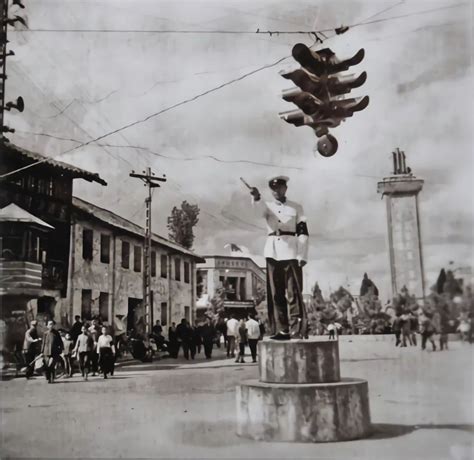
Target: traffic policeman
(286, 253)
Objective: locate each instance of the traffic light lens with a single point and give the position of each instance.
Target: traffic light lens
(327, 145)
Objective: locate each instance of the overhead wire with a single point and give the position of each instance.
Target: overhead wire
(216, 88)
(246, 32)
(232, 218)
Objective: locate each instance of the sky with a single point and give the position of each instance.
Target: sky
(78, 86)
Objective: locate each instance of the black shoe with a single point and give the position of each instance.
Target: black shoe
(281, 336)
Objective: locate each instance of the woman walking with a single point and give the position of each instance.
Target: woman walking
(106, 352)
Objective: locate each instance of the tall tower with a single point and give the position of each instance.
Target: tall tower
(403, 219)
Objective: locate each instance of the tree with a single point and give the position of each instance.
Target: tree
(181, 224)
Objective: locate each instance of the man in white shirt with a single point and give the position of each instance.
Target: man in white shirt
(232, 331)
(253, 334)
(286, 253)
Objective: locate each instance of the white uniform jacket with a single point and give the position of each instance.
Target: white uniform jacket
(284, 217)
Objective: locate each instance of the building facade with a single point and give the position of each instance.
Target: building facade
(107, 271)
(241, 281)
(35, 208)
(401, 190)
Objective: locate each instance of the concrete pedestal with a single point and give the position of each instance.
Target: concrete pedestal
(320, 412)
(300, 396)
(299, 361)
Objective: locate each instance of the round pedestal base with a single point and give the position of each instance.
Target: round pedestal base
(319, 412)
(299, 361)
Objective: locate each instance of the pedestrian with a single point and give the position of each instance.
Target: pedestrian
(241, 340)
(427, 331)
(83, 349)
(197, 340)
(76, 329)
(405, 324)
(286, 253)
(397, 330)
(192, 340)
(232, 332)
(413, 318)
(51, 348)
(332, 329)
(221, 331)
(106, 352)
(443, 334)
(173, 341)
(31, 348)
(94, 333)
(208, 334)
(184, 336)
(253, 335)
(157, 329)
(68, 347)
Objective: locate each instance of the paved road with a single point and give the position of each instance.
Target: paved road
(421, 406)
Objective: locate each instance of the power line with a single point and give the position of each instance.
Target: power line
(223, 85)
(246, 32)
(162, 155)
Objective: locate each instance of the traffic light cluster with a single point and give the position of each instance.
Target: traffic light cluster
(6, 21)
(319, 91)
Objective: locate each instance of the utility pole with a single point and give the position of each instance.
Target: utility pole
(5, 21)
(150, 181)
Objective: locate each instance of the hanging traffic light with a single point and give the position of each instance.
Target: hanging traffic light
(319, 90)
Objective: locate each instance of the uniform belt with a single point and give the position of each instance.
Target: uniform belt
(281, 232)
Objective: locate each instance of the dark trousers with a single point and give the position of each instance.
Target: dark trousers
(185, 346)
(443, 341)
(397, 337)
(332, 335)
(284, 291)
(192, 349)
(94, 360)
(173, 348)
(425, 336)
(106, 361)
(241, 352)
(29, 357)
(253, 348)
(84, 362)
(208, 344)
(49, 367)
(231, 346)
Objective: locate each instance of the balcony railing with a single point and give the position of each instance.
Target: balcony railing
(20, 274)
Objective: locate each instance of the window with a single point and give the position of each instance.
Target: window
(177, 269)
(187, 313)
(105, 248)
(125, 254)
(86, 304)
(104, 306)
(137, 258)
(164, 266)
(164, 313)
(186, 272)
(87, 244)
(153, 263)
(50, 186)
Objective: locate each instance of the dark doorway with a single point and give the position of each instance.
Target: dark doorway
(133, 306)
